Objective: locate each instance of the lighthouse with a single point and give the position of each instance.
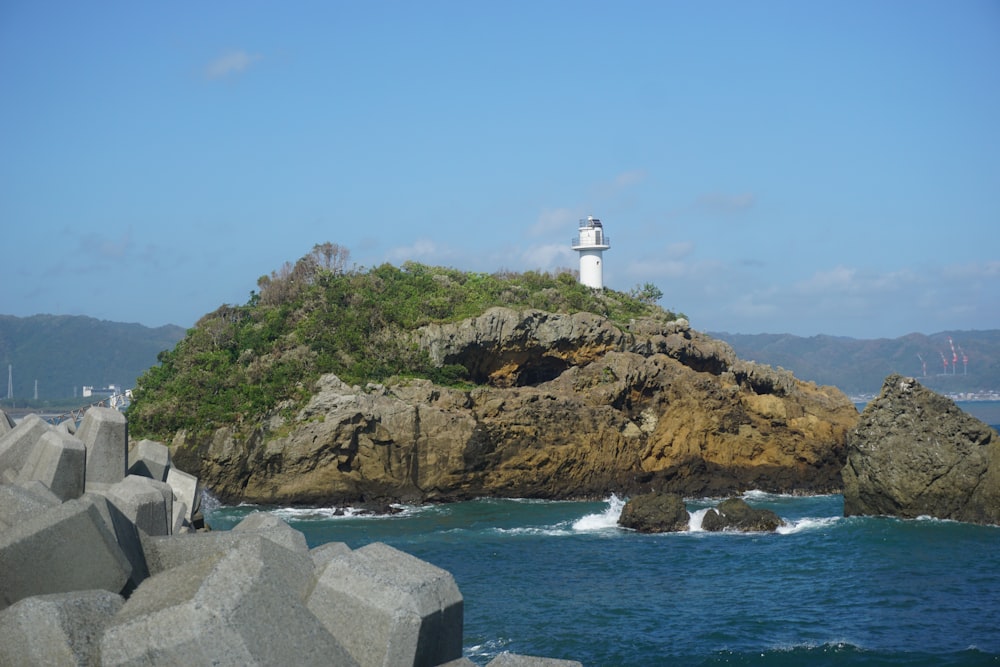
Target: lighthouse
(591, 243)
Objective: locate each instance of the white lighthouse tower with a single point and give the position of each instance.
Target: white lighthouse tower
(590, 243)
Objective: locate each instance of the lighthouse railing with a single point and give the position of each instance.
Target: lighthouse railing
(597, 240)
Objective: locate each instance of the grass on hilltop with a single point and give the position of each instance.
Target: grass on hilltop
(240, 363)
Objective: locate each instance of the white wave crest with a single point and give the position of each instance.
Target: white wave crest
(807, 523)
(603, 520)
(325, 513)
(694, 522)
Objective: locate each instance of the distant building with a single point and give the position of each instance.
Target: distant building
(591, 244)
(110, 390)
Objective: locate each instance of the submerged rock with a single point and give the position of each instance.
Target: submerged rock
(655, 513)
(736, 514)
(915, 453)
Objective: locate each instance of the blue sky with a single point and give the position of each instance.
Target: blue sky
(800, 167)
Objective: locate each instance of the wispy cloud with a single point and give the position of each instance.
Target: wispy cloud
(549, 256)
(552, 220)
(680, 250)
(722, 203)
(230, 63)
(421, 250)
(619, 184)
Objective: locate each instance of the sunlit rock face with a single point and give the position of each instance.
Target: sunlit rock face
(564, 406)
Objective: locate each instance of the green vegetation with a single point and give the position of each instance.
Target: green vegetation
(317, 316)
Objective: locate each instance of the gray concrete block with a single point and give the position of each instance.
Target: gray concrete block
(240, 607)
(179, 522)
(105, 433)
(275, 528)
(149, 459)
(59, 461)
(18, 504)
(15, 445)
(67, 426)
(40, 491)
(322, 554)
(515, 660)
(166, 553)
(58, 629)
(6, 423)
(127, 536)
(147, 503)
(390, 608)
(186, 488)
(65, 548)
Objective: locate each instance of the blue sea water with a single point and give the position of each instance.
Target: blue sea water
(560, 579)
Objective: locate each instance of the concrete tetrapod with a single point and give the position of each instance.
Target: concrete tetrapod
(390, 608)
(240, 607)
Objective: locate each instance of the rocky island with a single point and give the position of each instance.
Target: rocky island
(412, 385)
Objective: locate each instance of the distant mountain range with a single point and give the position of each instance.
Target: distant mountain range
(65, 352)
(858, 366)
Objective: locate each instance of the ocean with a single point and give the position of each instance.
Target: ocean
(561, 580)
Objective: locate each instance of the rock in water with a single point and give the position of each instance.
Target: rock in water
(655, 513)
(915, 453)
(736, 514)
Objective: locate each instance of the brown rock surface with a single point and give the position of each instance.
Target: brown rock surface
(569, 406)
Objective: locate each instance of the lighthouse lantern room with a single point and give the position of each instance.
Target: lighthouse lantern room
(591, 243)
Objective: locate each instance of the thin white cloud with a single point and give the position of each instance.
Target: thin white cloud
(230, 63)
(722, 203)
(619, 184)
(627, 179)
(552, 220)
(421, 250)
(549, 256)
(680, 250)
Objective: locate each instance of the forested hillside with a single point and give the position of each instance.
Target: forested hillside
(316, 316)
(65, 352)
(858, 366)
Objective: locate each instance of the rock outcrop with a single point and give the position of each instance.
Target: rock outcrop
(736, 514)
(655, 513)
(566, 406)
(915, 453)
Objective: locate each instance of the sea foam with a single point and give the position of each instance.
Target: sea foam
(806, 523)
(603, 520)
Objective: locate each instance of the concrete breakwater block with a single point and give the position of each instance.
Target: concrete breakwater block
(149, 459)
(56, 630)
(147, 503)
(239, 607)
(67, 547)
(58, 460)
(18, 504)
(187, 489)
(105, 433)
(16, 444)
(324, 553)
(390, 608)
(164, 553)
(6, 423)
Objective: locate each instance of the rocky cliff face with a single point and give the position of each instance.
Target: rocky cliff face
(914, 453)
(567, 406)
